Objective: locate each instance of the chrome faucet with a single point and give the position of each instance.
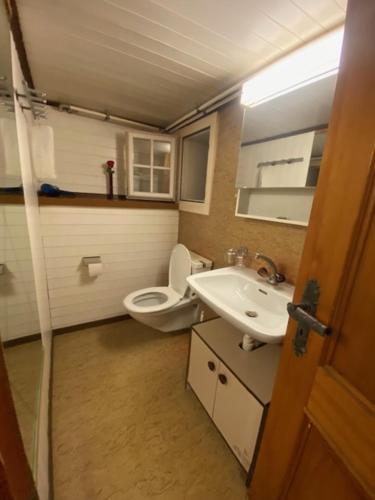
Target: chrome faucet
(273, 276)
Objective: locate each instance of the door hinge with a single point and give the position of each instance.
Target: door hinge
(304, 314)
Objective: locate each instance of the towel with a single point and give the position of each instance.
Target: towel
(43, 151)
(9, 156)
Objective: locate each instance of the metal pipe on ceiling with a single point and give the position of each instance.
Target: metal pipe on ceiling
(206, 108)
(99, 115)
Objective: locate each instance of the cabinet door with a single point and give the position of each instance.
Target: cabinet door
(203, 369)
(280, 163)
(237, 415)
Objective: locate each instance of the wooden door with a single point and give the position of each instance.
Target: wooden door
(319, 437)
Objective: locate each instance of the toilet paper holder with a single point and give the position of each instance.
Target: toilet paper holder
(91, 260)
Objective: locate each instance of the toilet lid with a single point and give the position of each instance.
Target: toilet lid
(179, 269)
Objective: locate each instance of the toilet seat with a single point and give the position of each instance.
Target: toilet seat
(152, 300)
(163, 298)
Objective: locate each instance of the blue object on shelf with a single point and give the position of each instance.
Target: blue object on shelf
(54, 191)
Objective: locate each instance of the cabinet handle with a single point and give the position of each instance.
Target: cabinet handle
(211, 366)
(223, 379)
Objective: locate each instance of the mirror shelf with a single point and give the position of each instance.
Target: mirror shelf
(282, 205)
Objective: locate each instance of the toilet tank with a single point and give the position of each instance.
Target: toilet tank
(199, 264)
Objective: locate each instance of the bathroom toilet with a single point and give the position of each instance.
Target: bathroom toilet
(172, 307)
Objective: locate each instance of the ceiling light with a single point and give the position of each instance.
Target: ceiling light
(312, 62)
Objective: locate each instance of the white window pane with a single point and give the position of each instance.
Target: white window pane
(142, 151)
(162, 154)
(142, 179)
(160, 181)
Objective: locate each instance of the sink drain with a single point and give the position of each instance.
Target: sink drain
(251, 314)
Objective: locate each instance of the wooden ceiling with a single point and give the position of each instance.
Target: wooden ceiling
(155, 60)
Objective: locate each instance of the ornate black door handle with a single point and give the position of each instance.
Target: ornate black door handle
(304, 314)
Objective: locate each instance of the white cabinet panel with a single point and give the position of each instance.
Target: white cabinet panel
(203, 370)
(237, 415)
(278, 163)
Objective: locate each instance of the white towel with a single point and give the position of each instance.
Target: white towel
(43, 151)
(9, 156)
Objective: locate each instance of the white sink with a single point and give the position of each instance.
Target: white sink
(232, 292)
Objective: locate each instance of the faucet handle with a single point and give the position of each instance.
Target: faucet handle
(262, 271)
(279, 277)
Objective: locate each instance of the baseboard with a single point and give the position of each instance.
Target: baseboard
(22, 340)
(90, 324)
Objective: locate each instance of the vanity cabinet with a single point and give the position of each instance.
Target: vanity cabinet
(203, 371)
(238, 415)
(233, 386)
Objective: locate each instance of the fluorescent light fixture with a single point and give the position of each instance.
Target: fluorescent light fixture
(312, 62)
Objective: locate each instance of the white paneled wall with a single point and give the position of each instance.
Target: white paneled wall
(82, 146)
(18, 308)
(134, 244)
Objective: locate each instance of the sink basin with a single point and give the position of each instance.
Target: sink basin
(246, 300)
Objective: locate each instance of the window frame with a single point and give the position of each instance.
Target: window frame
(170, 196)
(208, 122)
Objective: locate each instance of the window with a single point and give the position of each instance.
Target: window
(150, 166)
(197, 163)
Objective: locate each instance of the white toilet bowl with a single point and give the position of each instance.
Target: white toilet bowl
(172, 307)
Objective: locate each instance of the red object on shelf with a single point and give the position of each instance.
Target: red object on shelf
(109, 169)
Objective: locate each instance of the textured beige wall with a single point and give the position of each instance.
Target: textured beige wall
(212, 235)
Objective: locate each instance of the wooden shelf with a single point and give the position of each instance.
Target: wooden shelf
(97, 200)
(90, 200)
(11, 199)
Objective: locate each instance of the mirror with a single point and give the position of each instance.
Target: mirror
(282, 145)
(198, 143)
(18, 312)
(194, 166)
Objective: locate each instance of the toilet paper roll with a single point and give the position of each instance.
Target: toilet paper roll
(95, 269)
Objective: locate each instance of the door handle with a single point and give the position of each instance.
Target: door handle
(211, 366)
(300, 313)
(304, 314)
(223, 379)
